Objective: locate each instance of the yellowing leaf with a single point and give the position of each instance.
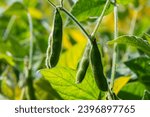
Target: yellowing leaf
(119, 83)
(35, 13)
(9, 92)
(66, 43)
(6, 90)
(71, 57)
(78, 36)
(17, 92)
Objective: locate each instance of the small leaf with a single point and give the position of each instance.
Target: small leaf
(120, 83)
(84, 9)
(146, 95)
(63, 81)
(133, 41)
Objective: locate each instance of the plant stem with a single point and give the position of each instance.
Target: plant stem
(62, 5)
(133, 22)
(115, 45)
(9, 26)
(28, 66)
(100, 18)
(77, 22)
(52, 4)
(31, 39)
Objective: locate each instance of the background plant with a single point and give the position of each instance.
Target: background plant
(24, 31)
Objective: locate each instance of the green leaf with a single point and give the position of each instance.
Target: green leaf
(133, 41)
(146, 95)
(132, 91)
(63, 81)
(84, 9)
(141, 66)
(17, 8)
(44, 91)
(147, 36)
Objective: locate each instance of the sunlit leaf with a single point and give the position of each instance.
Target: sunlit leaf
(63, 81)
(120, 83)
(134, 41)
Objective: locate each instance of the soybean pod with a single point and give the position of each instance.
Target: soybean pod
(83, 64)
(97, 67)
(55, 41)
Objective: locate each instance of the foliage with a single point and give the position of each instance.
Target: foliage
(25, 27)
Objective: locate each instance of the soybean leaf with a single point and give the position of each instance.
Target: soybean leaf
(44, 91)
(146, 95)
(83, 9)
(132, 91)
(133, 41)
(140, 65)
(120, 83)
(63, 81)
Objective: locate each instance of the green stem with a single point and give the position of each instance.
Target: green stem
(133, 22)
(114, 59)
(9, 27)
(62, 4)
(52, 4)
(77, 22)
(28, 65)
(31, 40)
(100, 18)
(72, 18)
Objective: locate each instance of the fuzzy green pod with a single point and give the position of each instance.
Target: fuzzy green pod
(83, 64)
(97, 67)
(55, 41)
